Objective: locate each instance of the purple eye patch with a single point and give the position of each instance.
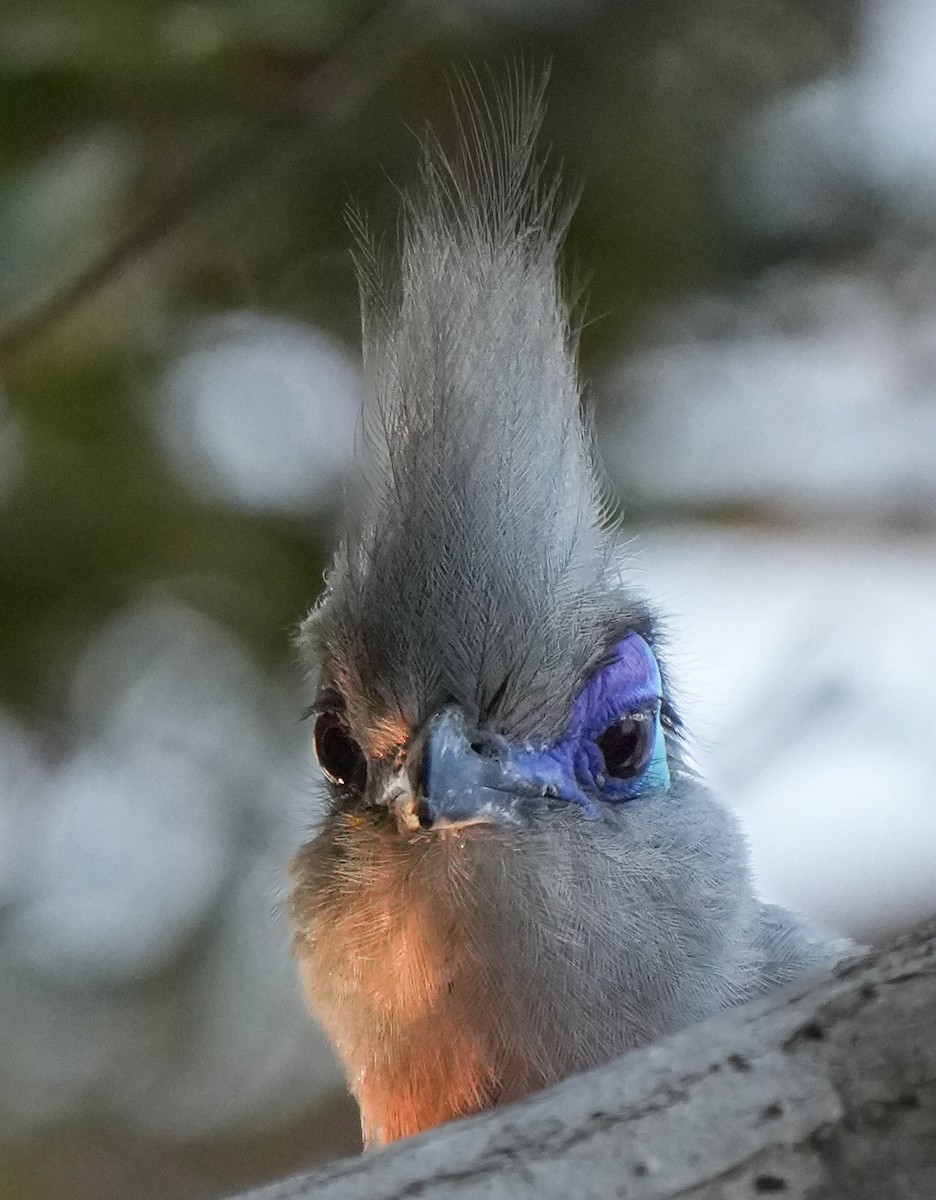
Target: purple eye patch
(630, 682)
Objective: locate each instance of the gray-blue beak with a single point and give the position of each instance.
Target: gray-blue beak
(467, 780)
(462, 777)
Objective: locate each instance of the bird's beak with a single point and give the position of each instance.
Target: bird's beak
(455, 779)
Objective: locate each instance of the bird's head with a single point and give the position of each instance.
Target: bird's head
(479, 660)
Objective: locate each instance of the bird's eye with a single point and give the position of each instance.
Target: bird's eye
(627, 745)
(339, 755)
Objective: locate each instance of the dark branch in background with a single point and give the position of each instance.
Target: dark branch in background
(335, 87)
(825, 1090)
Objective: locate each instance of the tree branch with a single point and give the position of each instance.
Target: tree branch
(825, 1090)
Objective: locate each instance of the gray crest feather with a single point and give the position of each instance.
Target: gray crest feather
(476, 569)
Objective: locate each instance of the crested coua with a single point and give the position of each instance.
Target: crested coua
(519, 875)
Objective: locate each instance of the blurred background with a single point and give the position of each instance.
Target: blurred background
(179, 380)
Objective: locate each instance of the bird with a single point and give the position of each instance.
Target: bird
(519, 875)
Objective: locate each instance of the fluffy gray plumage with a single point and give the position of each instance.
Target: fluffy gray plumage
(460, 967)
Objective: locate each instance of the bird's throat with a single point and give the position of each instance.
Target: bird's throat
(399, 946)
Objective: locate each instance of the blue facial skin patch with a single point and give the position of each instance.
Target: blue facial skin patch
(572, 768)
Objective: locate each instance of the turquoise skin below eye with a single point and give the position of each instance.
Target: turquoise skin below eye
(657, 774)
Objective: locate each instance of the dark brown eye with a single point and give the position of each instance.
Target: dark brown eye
(627, 745)
(339, 755)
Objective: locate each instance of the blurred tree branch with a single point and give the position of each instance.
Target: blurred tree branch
(825, 1090)
(334, 87)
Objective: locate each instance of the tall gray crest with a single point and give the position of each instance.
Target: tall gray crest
(476, 569)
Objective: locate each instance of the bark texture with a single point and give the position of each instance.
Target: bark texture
(825, 1090)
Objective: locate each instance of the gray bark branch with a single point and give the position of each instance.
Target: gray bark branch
(825, 1090)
